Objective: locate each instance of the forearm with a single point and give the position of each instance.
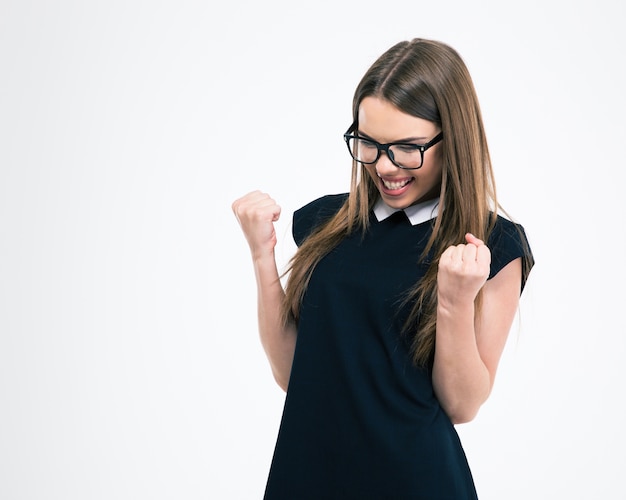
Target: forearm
(461, 379)
(278, 340)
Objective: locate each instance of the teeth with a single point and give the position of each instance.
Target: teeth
(395, 185)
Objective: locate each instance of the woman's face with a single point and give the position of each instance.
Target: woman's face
(399, 188)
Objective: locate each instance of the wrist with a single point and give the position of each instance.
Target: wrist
(454, 305)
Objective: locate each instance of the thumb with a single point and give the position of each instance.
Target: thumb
(470, 238)
(276, 214)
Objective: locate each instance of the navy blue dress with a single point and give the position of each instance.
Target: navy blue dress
(360, 420)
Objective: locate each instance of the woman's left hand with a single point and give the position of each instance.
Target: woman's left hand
(463, 270)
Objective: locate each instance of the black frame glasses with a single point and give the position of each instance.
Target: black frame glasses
(349, 136)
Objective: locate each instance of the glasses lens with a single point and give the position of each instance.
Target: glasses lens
(406, 155)
(363, 150)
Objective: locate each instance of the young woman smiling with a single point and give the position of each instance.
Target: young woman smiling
(400, 297)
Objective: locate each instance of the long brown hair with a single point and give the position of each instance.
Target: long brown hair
(429, 80)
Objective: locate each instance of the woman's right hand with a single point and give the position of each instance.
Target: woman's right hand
(256, 213)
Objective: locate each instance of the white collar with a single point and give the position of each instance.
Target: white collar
(416, 213)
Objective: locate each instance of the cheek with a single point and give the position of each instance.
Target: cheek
(435, 172)
(433, 169)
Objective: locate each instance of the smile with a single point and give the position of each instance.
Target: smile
(394, 185)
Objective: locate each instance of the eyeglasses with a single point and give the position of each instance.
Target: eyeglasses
(404, 155)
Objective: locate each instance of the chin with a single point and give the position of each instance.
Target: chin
(404, 200)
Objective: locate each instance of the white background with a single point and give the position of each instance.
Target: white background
(130, 366)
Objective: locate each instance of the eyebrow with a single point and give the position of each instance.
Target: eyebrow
(408, 139)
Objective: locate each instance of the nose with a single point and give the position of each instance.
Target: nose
(384, 166)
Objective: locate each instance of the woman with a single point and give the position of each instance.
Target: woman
(399, 300)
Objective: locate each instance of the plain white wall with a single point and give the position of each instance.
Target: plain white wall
(130, 365)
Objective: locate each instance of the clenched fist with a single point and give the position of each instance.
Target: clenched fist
(463, 270)
(256, 213)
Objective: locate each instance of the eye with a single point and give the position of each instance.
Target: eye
(364, 143)
(407, 148)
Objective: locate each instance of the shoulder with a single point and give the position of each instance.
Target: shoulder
(507, 242)
(506, 233)
(314, 213)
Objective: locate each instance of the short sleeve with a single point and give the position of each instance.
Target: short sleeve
(315, 213)
(508, 242)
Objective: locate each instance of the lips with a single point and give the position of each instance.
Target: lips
(394, 185)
